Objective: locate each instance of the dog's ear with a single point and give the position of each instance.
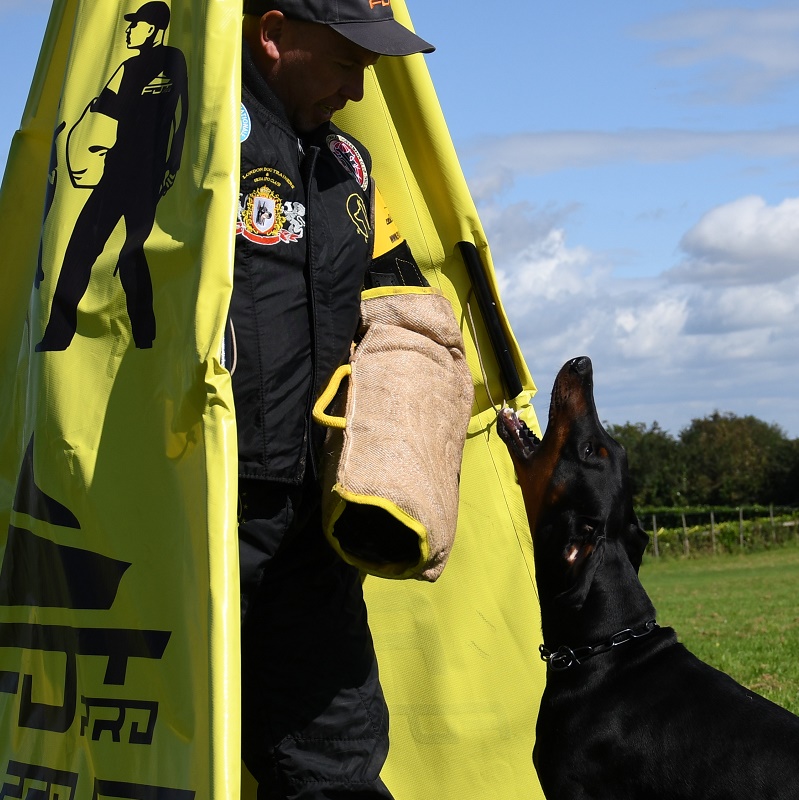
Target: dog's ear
(635, 543)
(583, 554)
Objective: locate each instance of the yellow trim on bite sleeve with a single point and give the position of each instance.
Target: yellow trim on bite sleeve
(399, 571)
(326, 398)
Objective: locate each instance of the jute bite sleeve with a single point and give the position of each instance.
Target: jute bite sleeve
(392, 461)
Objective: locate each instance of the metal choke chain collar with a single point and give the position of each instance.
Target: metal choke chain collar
(565, 657)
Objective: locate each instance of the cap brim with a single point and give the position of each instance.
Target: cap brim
(385, 37)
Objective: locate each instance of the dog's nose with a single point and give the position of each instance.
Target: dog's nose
(581, 365)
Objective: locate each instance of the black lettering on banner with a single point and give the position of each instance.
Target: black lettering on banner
(114, 723)
(34, 782)
(30, 499)
(39, 572)
(44, 717)
(116, 645)
(136, 791)
(9, 682)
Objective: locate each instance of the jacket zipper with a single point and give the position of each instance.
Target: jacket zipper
(307, 168)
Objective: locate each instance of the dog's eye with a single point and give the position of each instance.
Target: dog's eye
(588, 450)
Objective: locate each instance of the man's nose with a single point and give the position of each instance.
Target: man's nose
(353, 88)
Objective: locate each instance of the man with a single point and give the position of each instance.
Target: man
(146, 101)
(315, 723)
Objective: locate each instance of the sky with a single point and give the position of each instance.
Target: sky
(636, 168)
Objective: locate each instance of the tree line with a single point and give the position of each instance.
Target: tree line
(722, 459)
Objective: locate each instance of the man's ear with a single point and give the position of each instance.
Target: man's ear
(271, 32)
(584, 551)
(635, 543)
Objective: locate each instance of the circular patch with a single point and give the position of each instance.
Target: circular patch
(246, 123)
(348, 156)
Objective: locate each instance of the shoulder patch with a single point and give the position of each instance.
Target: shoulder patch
(246, 123)
(348, 156)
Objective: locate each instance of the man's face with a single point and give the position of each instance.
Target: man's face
(317, 73)
(138, 33)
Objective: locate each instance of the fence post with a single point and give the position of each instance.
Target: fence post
(686, 548)
(713, 531)
(655, 536)
(771, 519)
(741, 526)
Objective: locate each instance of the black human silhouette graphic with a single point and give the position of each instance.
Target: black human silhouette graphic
(147, 100)
(52, 182)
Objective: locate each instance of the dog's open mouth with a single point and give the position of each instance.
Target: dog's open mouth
(516, 435)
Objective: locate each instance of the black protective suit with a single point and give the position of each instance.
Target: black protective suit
(315, 724)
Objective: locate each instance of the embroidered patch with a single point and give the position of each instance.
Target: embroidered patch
(348, 156)
(246, 123)
(265, 217)
(359, 215)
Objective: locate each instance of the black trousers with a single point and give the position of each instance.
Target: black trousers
(314, 720)
(115, 197)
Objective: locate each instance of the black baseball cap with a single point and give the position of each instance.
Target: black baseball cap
(368, 23)
(155, 13)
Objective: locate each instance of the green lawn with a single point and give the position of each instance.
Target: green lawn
(739, 613)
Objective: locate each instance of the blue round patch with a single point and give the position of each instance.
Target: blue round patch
(246, 124)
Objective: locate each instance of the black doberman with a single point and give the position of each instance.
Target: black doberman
(627, 711)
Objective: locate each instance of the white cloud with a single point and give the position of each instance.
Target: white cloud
(745, 241)
(497, 161)
(516, 225)
(651, 327)
(753, 35)
(742, 309)
(742, 54)
(663, 350)
(548, 290)
(546, 269)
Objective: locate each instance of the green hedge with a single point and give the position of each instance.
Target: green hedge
(756, 533)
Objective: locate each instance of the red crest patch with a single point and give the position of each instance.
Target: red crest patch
(348, 156)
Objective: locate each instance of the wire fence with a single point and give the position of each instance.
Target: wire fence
(752, 530)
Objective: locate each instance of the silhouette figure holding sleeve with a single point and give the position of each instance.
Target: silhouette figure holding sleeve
(147, 98)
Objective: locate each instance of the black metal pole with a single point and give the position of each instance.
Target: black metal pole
(488, 308)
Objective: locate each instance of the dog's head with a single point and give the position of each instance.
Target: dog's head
(576, 488)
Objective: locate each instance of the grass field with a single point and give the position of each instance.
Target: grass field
(739, 613)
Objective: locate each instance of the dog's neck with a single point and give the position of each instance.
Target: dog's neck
(615, 601)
